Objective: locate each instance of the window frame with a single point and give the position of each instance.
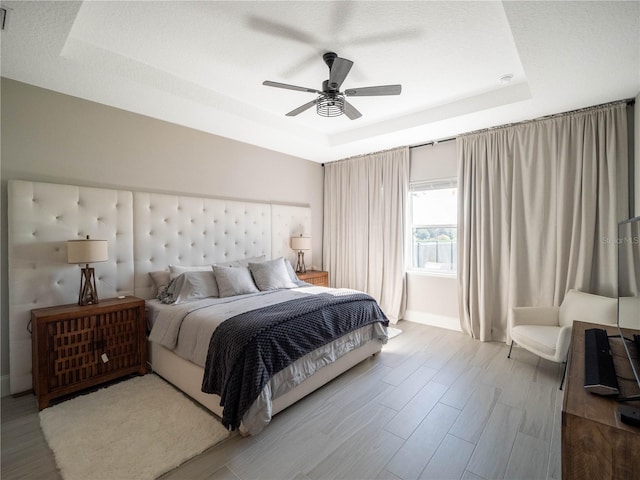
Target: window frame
(436, 184)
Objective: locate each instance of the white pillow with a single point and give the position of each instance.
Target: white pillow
(191, 286)
(176, 270)
(234, 281)
(271, 275)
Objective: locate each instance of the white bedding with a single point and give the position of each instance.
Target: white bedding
(187, 328)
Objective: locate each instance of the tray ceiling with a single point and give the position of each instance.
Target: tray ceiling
(201, 64)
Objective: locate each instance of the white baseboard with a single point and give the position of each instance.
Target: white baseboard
(4, 386)
(442, 321)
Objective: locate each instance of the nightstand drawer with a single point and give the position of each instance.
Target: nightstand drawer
(315, 277)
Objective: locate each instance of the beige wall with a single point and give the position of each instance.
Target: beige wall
(432, 162)
(51, 137)
(433, 299)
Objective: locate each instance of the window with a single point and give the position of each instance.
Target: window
(433, 218)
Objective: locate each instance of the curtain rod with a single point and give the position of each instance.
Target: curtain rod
(629, 102)
(433, 142)
(367, 154)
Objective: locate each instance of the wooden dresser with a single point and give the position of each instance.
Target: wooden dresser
(595, 443)
(76, 347)
(315, 277)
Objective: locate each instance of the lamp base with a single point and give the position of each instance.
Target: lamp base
(88, 292)
(300, 266)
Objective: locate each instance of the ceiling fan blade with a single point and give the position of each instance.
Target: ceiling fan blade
(351, 111)
(269, 83)
(299, 66)
(302, 108)
(339, 71)
(278, 29)
(374, 91)
(382, 37)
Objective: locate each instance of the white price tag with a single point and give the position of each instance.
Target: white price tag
(104, 358)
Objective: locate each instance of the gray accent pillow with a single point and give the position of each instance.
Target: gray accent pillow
(161, 280)
(234, 281)
(271, 275)
(190, 286)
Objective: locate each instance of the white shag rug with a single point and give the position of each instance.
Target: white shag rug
(137, 429)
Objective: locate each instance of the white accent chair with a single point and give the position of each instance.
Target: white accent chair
(546, 331)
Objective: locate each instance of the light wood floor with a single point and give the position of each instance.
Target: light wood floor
(434, 404)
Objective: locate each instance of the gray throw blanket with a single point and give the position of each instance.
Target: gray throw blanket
(245, 351)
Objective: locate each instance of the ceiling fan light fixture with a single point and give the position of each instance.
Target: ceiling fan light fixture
(331, 102)
(330, 105)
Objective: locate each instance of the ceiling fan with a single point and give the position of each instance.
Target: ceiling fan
(331, 101)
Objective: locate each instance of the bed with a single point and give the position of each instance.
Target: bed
(182, 341)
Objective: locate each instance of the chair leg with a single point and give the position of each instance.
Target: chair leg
(510, 348)
(564, 373)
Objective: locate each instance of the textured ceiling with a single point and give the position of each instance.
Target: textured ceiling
(201, 64)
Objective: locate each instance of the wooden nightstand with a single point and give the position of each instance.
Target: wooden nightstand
(76, 347)
(315, 277)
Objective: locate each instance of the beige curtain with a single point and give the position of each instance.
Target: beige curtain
(537, 204)
(364, 226)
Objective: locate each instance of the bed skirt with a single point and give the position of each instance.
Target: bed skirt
(187, 376)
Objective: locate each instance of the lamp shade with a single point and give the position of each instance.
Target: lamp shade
(301, 243)
(87, 251)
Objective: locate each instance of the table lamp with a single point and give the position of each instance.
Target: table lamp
(85, 252)
(301, 243)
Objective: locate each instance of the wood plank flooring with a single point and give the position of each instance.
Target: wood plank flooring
(435, 404)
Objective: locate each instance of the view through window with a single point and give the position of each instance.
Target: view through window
(434, 212)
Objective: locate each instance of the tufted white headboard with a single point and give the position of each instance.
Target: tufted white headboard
(146, 232)
(173, 230)
(42, 217)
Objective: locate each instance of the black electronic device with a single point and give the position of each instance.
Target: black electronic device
(599, 371)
